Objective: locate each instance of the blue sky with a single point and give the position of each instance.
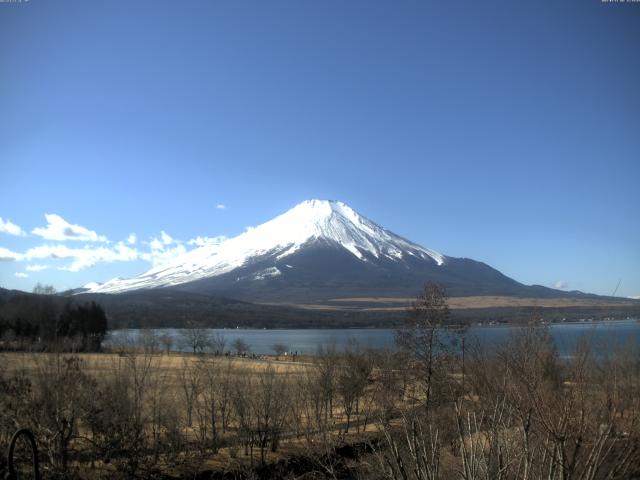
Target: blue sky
(507, 132)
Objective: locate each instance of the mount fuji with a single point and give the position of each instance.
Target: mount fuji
(318, 251)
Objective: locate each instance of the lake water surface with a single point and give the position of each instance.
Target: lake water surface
(602, 335)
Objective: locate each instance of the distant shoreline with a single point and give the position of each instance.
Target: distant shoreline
(474, 326)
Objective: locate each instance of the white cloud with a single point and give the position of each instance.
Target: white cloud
(60, 230)
(201, 241)
(7, 255)
(166, 238)
(49, 251)
(89, 257)
(162, 250)
(159, 243)
(635, 297)
(11, 228)
(159, 250)
(561, 285)
(160, 256)
(83, 257)
(221, 206)
(36, 268)
(156, 244)
(21, 275)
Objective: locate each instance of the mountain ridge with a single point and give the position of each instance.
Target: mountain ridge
(315, 251)
(309, 222)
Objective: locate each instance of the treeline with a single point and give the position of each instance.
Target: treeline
(167, 308)
(42, 319)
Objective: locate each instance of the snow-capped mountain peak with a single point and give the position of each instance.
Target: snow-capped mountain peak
(311, 222)
(338, 222)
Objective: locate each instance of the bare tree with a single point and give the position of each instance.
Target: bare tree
(536, 415)
(57, 405)
(422, 336)
(42, 289)
(118, 417)
(149, 341)
(190, 380)
(196, 338)
(327, 367)
(218, 343)
(242, 390)
(167, 342)
(279, 349)
(224, 394)
(240, 346)
(268, 407)
(392, 379)
(208, 403)
(412, 450)
(353, 375)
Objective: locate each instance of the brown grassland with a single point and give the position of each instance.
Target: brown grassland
(456, 303)
(174, 369)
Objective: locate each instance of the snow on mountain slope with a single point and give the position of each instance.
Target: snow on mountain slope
(311, 221)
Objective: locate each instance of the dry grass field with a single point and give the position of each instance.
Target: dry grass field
(399, 304)
(180, 385)
(169, 365)
(495, 301)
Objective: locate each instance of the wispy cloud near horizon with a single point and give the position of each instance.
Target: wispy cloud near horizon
(36, 268)
(157, 251)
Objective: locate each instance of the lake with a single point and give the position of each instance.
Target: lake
(602, 335)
